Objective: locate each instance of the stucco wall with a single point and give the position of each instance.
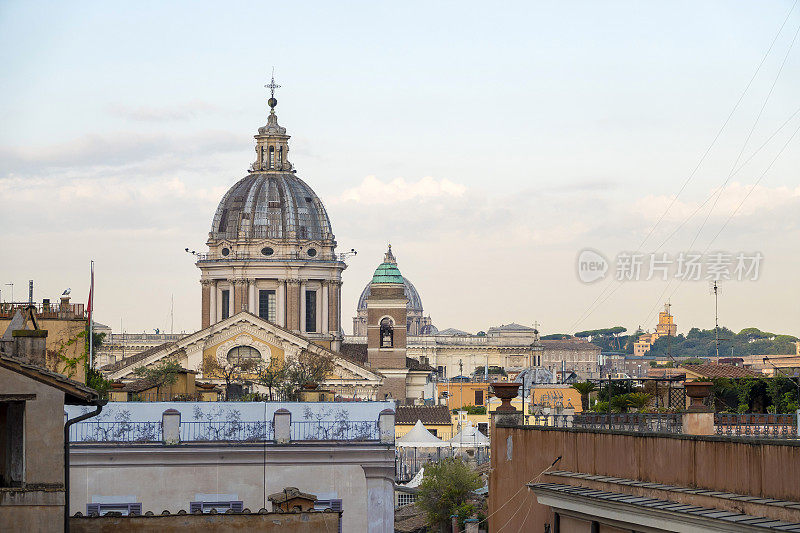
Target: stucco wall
(32, 518)
(767, 469)
(39, 505)
(44, 428)
(164, 478)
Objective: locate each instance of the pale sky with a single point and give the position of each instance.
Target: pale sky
(490, 143)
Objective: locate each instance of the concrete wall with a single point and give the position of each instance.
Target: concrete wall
(267, 523)
(766, 469)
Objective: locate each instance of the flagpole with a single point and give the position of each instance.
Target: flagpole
(91, 311)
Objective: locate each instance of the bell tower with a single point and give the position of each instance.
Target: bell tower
(386, 327)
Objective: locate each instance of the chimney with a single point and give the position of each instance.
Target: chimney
(64, 310)
(29, 345)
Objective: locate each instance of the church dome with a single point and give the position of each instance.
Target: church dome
(271, 205)
(387, 272)
(414, 301)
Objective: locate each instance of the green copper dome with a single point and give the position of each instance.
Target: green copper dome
(388, 272)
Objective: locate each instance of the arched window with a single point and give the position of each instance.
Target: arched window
(243, 354)
(387, 333)
(271, 157)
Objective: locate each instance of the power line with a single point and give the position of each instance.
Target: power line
(593, 307)
(722, 128)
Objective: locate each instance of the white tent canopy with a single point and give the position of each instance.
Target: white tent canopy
(419, 437)
(469, 437)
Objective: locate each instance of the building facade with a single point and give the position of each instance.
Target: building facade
(271, 248)
(234, 455)
(666, 327)
(32, 400)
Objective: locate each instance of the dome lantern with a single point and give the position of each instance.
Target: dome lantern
(272, 143)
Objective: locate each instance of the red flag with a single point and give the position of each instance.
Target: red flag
(91, 290)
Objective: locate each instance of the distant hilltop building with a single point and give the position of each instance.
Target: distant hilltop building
(666, 326)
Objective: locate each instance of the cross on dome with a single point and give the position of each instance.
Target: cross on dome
(272, 86)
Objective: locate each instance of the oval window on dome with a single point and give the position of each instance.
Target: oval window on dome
(225, 251)
(267, 251)
(311, 252)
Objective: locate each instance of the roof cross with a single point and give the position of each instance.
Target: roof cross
(272, 85)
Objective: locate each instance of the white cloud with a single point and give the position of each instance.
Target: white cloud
(185, 111)
(761, 199)
(373, 191)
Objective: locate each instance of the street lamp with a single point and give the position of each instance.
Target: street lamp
(767, 360)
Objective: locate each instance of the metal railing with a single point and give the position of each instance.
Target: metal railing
(226, 431)
(783, 426)
(641, 422)
(44, 310)
(557, 421)
(356, 430)
(90, 431)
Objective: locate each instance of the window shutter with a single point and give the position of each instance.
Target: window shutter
(336, 506)
(237, 506)
(92, 508)
(134, 509)
(195, 506)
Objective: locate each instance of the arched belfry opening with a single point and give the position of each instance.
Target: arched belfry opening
(387, 333)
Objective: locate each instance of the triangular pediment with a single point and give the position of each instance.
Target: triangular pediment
(243, 328)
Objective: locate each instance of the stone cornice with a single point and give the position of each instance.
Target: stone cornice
(198, 454)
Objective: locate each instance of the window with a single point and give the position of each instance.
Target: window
(311, 311)
(267, 306)
(220, 507)
(241, 354)
(267, 251)
(404, 498)
(478, 397)
(226, 304)
(387, 333)
(311, 252)
(12, 451)
(271, 157)
(126, 509)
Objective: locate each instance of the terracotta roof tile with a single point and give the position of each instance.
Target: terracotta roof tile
(721, 371)
(428, 414)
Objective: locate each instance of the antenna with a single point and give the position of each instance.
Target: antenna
(715, 291)
(171, 314)
(344, 255)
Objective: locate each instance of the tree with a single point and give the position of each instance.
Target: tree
(585, 389)
(308, 368)
(272, 376)
(165, 372)
(232, 369)
(445, 490)
(638, 400)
